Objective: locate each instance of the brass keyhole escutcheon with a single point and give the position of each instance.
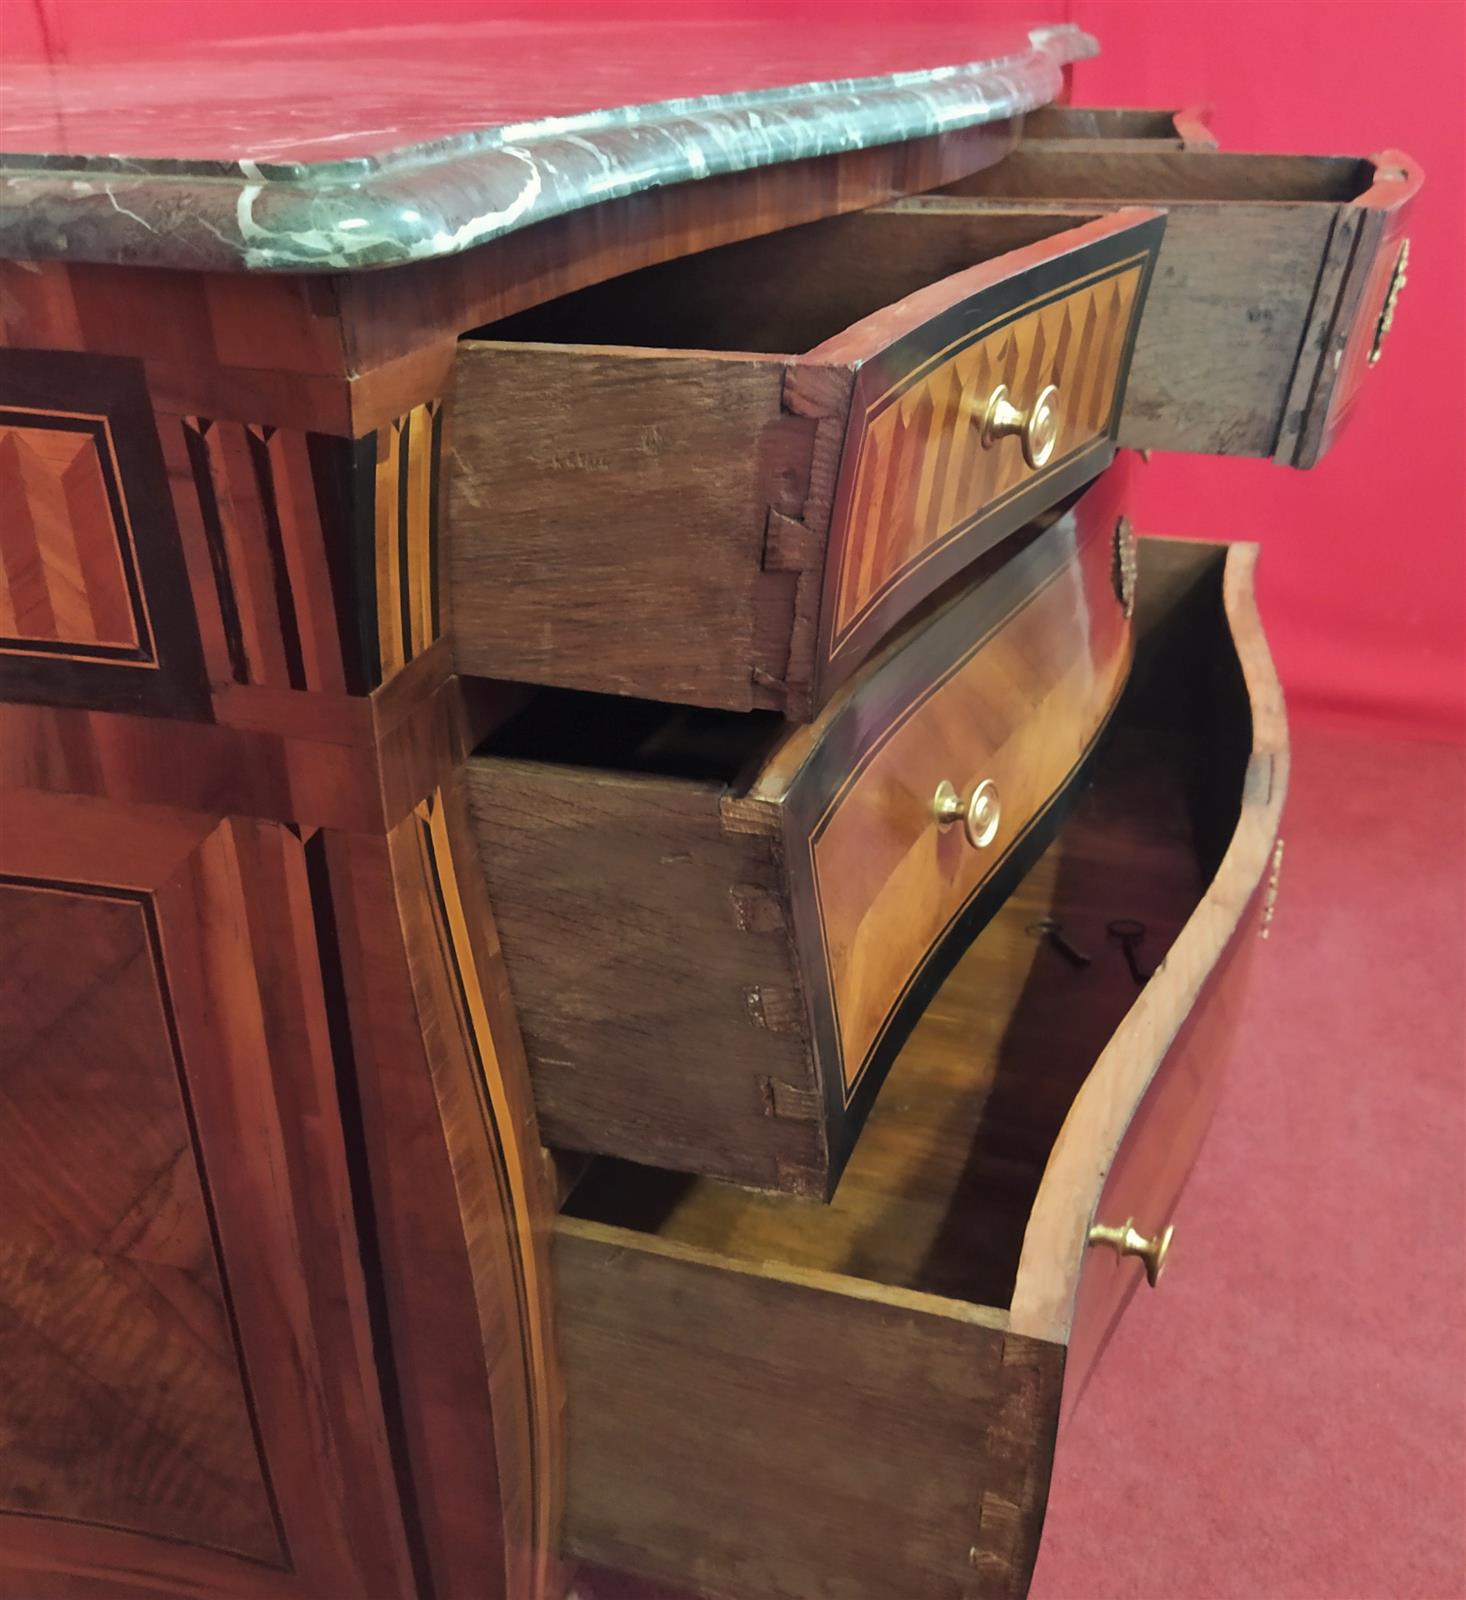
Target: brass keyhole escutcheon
(1127, 1240)
(979, 814)
(1037, 428)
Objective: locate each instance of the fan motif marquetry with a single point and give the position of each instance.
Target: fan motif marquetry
(923, 475)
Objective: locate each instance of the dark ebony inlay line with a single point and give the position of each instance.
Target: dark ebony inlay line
(259, 455)
(343, 473)
(203, 481)
(364, 1211)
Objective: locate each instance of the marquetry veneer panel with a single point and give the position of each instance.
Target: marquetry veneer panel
(68, 566)
(182, 1305)
(124, 1400)
(921, 477)
(94, 605)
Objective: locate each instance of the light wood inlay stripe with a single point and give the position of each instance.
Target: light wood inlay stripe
(535, 1475)
(405, 524)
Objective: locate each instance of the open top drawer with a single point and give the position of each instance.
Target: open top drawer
(1276, 283)
(779, 1398)
(723, 480)
(1116, 128)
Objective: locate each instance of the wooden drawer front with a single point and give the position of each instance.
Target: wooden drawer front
(746, 1372)
(919, 487)
(713, 972)
(1133, 1132)
(1269, 291)
(643, 502)
(878, 888)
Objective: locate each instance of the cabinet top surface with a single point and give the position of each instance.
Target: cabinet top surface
(374, 147)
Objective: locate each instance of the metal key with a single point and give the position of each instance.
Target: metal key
(1052, 929)
(1130, 933)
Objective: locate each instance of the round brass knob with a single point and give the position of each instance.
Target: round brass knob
(979, 813)
(1037, 428)
(1127, 1240)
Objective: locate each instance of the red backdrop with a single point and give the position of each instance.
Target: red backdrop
(1364, 576)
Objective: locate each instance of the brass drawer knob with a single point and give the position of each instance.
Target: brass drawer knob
(979, 813)
(1127, 1240)
(1037, 428)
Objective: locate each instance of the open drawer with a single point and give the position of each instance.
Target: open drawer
(1275, 287)
(1115, 128)
(771, 1399)
(722, 480)
(717, 929)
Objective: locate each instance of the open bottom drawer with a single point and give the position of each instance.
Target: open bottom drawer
(771, 1399)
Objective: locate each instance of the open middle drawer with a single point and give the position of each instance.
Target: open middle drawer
(716, 928)
(776, 1398)
(722, 480)
(1276, 282)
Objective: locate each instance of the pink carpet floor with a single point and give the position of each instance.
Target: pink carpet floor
(1285, 1418)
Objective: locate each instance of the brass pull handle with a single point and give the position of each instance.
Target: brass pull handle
(1127, 1240)
(979, 813)
(1037, 428)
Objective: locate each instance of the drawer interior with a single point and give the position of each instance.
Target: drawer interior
(937, 1194)
(717, 749)
(619, 734)
(782, 293)
(1099, 122)
(1161, 176)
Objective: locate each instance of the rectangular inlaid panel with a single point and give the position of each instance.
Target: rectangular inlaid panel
(94, 602)
(123, 1402)
(68, 565)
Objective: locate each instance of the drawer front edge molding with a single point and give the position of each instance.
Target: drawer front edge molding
(1107, 1110)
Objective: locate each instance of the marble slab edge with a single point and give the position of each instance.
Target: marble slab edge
(440, 198)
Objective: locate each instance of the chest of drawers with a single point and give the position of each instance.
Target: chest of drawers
(579, 714)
